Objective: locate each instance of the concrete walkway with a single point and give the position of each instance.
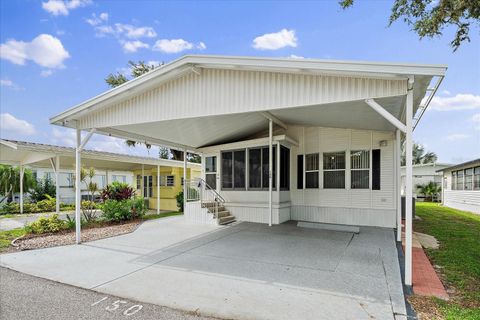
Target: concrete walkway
(245, 271)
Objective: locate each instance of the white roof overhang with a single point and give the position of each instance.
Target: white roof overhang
(39, 155)
(197, 101)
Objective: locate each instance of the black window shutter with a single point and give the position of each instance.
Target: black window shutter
(300, 171)
(376, 169)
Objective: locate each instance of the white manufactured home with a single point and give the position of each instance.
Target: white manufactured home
(424, 173)
(281, 139)
(461, 186)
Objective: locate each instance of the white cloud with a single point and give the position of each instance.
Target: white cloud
(62, 7)
(176, 45)
(10, 84)
(460, 101)
(293, 56)
(133, 46)
(133, 32)
(457, 136)
(46, 73)
(102, 31)
(15, 126)
(45, 50)
(63, 137)
(96, 20)
(446, 92)
(277, 40)
(155, 63)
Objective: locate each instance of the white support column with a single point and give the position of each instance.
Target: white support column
(184, 180)
(57, 184)
(22, 171)
(77, 188)
(142, 184)
(278, 168)
(398, 155)
(408, 185)
(270, 167)
(158, 189)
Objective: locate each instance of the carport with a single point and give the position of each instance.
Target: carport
(242, 271)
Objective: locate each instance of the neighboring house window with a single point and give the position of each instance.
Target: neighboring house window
(360, 169)
(49, 176)
(312, 170)
(211, 172)
(102, 181)
(139, 182)
(460, 180)
(170, 181)
(469, 179)
(476, 178)
(334, 170)
(66, 180)
(454, 180)
(284, 168)
(182, 181)
(148, 186)
(119, 178)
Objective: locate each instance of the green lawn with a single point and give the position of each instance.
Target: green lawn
(6, 237)
(458, 256)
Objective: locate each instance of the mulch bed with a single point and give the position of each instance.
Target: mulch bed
(97, 232)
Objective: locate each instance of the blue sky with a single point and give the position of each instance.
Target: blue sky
(55, 54)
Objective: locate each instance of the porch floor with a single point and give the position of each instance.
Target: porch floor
(241, 271)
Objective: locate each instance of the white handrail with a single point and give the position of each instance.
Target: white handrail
(199, 190)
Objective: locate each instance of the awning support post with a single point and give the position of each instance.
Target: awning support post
(57, 184)
(22, 171)
(184, 180)
(158, 189)
(143, 181)
(408, 184)
(398, 153)
(270, 171)
(78, 168)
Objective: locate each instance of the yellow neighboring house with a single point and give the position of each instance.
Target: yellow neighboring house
(171, 184)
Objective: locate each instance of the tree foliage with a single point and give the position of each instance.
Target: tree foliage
(429, 190)
(10, 180)
(43, 190)
(429, 18)
(419, 155)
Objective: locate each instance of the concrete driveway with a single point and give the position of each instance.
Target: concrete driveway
(244, 271)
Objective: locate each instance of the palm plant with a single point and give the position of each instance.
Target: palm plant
(10, 181)
(88, 207)
(429, 190)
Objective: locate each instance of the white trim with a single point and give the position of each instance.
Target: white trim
(387, 115)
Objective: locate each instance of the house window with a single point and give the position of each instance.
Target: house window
(139, 182)
(102, 181)
(233, 170)
(211, 172)
(469, 179)
(312, 170)
(170, 181)
(119, 178)
(334, 170)
(460, 180)
(49, 176)
(360, 169)
(284, 168)
(454, 180)
(255, 168)
(66, 180)
(476, 178)
(265, 169)
(147, 186)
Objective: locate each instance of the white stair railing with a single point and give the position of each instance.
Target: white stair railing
(199, 190)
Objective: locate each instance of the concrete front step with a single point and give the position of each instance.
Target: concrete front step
(226, 220)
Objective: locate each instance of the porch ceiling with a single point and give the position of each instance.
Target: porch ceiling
(212, 130)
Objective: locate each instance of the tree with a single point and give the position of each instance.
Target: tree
(10, 181)
(44, 189)
(428, 18)
(164, 153)
(429, 190)
(419, 156)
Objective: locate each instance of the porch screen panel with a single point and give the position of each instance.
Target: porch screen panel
(227, 172)
(255, 168)
(300, 171)
(211, 171)
(469, 179)
(334, 170)
(284, 168)
(265, 167)
(312, 171)
(360, 169)
(376, 169)
(476, 178)
(239, 169)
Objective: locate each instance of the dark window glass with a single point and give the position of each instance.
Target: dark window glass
(460, 180)
(300, 171)
(255, 168)
(211, 179)
(239, 169)
(376, 169)
(476, 178)
(334, 161)
(454, 180)
(227, 172)
(469, 179)
(360, 179)
(284, 168)
(311, 180)
(360, 164)
(334, 170)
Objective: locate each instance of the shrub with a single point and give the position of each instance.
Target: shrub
(46, 225)
(179, 198)
(29, 207)
(9, 208)
(117, 191)
(121, 210)
(46, 205)
(43, 188)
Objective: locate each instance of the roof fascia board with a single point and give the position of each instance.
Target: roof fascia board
(247, 143)
(9, 144)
